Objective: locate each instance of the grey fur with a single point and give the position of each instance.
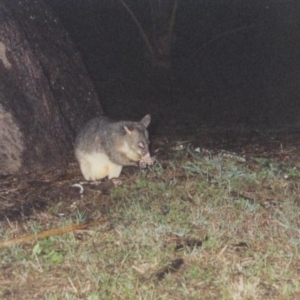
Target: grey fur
(125, 143)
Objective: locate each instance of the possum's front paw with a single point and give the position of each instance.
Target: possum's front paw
(145, 161)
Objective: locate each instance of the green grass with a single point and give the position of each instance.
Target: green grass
(248, 222)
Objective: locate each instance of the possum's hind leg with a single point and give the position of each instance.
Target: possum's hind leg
(94, 166)
(114, 170)
(86, 170)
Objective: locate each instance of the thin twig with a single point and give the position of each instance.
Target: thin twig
(219, 36)
(51, 232)
(142, 32)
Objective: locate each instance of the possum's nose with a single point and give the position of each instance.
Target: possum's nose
(147, 155)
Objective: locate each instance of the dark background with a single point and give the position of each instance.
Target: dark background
(248, 76)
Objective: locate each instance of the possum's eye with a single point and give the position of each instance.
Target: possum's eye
(141, 145)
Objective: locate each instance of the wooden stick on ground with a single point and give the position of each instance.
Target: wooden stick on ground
(51, 232)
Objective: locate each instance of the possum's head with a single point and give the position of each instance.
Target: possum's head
(136, 142)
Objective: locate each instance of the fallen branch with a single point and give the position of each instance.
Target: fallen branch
(51, 232)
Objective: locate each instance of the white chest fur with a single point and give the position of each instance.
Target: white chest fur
(97, 165)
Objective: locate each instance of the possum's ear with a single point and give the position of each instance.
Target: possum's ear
(128, 129)
(146, 121)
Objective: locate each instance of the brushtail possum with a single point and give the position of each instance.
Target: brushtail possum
(103, 146)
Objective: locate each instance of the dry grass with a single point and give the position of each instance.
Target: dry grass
(194, 226)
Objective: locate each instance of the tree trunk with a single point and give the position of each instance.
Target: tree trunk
(45, 91)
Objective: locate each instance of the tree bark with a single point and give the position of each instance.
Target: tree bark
(45, 91)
